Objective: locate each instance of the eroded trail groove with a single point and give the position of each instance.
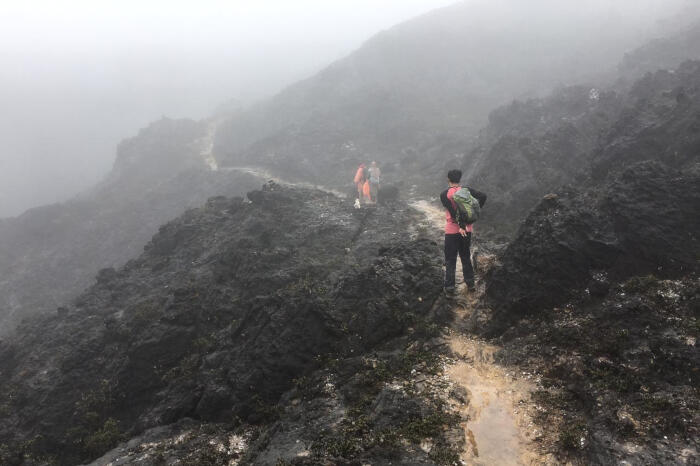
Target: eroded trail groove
(498, 425)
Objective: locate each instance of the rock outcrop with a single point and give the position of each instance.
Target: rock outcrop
(643, 222)
(227, 306)
(582, 135)
(598, 295)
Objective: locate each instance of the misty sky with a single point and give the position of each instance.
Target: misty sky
(76, 77)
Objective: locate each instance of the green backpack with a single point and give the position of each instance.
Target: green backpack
(468, 207)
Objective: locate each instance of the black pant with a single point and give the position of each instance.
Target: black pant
(458, 244)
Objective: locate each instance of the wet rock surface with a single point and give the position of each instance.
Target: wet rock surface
(373, 409)
(598, 294)
(572, 244)
(226, 307)
(619, 376)
(187, 442)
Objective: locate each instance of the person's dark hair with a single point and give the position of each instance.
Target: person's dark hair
(455, 176)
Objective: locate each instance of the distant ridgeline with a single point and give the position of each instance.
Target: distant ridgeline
(49, 254)
(227, 307)
(414, 97)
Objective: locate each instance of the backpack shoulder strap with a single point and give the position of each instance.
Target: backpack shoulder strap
(450, 204)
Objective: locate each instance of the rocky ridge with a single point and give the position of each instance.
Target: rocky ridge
(664, 52)
(227, 307)
(186, 349)
(327, 124)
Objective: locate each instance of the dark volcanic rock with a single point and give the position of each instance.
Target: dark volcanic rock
(598, 293)
(617, 371)
(227, 305)
(645, 221)
(583, 135)
(660, 121)
(388, 194)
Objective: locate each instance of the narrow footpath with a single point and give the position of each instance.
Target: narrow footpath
(498, 409)
(266, 175)
(498, 425)
(206, 147)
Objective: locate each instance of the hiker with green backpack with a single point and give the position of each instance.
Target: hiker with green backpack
(463, 207)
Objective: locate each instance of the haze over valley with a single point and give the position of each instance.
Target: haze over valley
(303, 233)
(78, 77)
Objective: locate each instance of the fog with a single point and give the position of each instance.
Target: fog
(78, 76)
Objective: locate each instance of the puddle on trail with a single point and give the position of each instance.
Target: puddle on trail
(498, 430)
(497, 427)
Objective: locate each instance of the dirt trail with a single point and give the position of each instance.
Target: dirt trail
(268, 176)
(206, 145)
(498, 427)
(206, 152)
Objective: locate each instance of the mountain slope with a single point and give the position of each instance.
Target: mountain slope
(641, 222)
(664, 52)
(423, 88)
(293, 301)
(49, 254)
(580, 135)
(598, 294)
(227, 305)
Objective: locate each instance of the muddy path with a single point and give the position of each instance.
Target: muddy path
(498, 411)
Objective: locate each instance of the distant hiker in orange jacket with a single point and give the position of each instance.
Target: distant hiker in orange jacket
(360, 179)
(366, 192)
